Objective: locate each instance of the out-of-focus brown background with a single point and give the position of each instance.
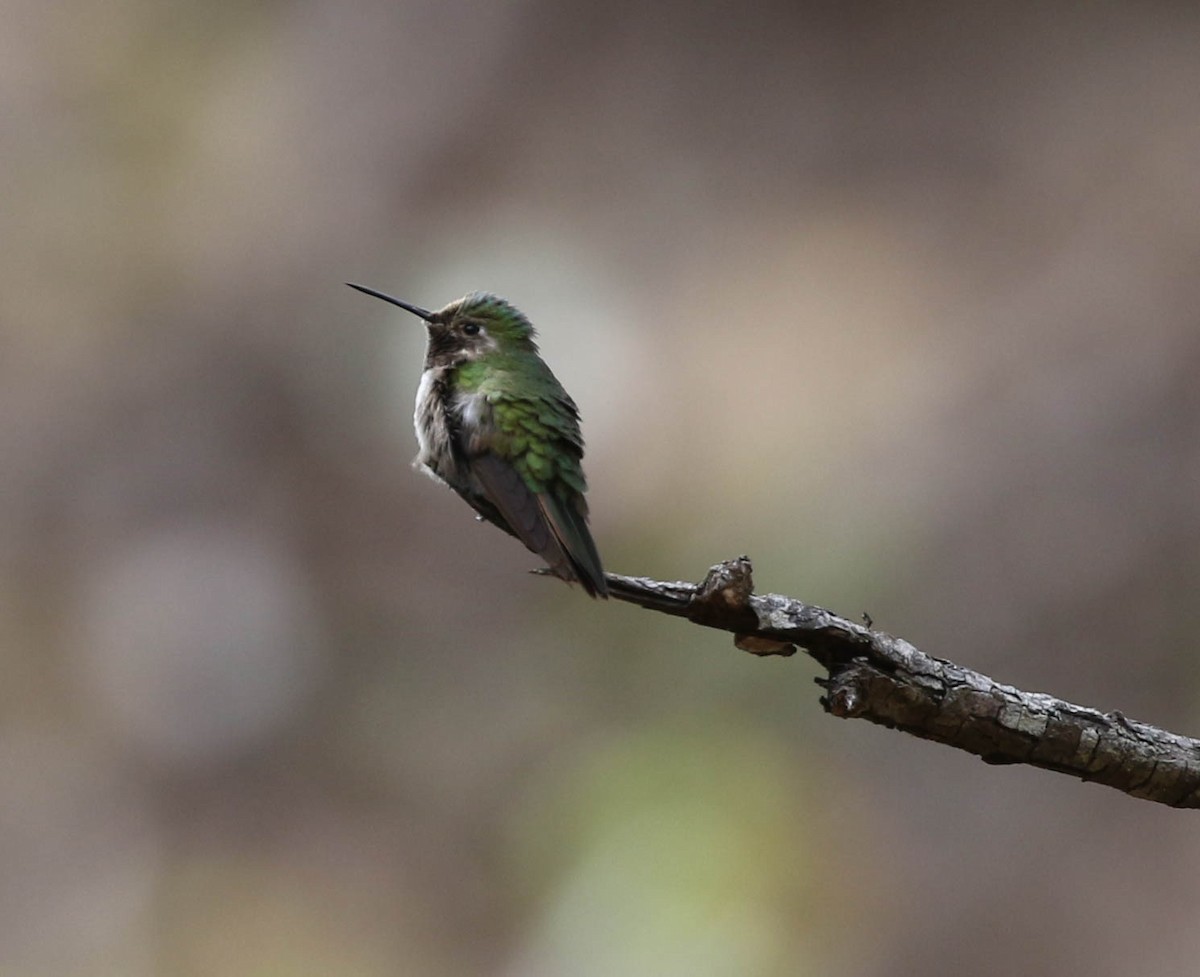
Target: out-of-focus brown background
(902, 300)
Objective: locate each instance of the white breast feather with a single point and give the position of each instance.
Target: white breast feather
(474, 410)
(423, 393)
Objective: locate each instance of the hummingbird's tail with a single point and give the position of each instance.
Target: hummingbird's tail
(579, 560)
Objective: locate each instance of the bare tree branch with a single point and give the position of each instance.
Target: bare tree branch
(875, 676)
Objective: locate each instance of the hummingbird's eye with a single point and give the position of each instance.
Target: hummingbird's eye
(470, 328)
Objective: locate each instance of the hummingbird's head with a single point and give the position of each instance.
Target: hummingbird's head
(481, 323)
(476, 326)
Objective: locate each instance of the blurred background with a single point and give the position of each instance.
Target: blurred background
(901, 300)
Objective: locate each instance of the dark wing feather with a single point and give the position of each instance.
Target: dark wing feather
(505, 489)
(554, 530)
(486, 510)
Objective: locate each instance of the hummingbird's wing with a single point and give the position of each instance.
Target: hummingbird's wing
(504, 493)
(553, 530)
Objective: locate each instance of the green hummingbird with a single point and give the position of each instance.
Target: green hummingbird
(495, 425)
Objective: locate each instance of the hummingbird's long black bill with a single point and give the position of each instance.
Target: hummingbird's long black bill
(414, 309)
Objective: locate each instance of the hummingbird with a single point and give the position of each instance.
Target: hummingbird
(495, 425)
